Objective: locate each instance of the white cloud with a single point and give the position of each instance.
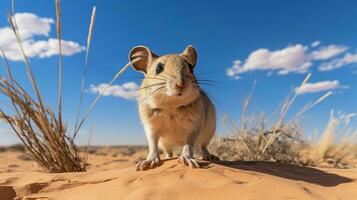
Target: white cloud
(127, 90)
(31, 26)
(290, 59)
(319, 87)
(296, 58)
(328, 52)
(348, 58)
(315, 43)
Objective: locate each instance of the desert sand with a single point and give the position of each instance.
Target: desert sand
(111, 175)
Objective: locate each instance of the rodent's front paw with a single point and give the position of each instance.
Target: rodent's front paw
(147, 164)
(188, 161)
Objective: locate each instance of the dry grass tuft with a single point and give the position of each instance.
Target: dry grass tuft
(41, 131)
(258, 143)
(255, 138)
(328, 150)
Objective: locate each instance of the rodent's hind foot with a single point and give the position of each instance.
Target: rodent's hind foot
(210, 157)
(206, 155)
(191, 162)
(147, 164)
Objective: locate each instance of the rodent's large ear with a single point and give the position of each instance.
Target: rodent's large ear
(140, 57)
(190, 54)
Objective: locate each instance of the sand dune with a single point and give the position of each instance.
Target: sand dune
(222, 180)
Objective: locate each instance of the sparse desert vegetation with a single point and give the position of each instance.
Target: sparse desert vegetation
(254, 137)
(41, 130)
(289, 146)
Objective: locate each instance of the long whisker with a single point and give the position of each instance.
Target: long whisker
(138, 77)
(153, 85)
(152, 93)
(203, 84)
(207, 80)
(149, 77)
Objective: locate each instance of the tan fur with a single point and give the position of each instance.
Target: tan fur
(171, 116)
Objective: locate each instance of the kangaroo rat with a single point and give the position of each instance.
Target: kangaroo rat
(173, 108)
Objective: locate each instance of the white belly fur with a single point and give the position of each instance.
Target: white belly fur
(173, 126)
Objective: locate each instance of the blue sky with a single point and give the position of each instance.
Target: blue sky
(275, 43)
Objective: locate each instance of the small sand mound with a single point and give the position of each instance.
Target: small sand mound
(223, 180)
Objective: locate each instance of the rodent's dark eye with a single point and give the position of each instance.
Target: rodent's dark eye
(159, 68)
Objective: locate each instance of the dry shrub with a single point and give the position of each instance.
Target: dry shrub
(17, 147)
(255, 138)
(3, 149)
(331, 151)
(248, 145)
(39, 128)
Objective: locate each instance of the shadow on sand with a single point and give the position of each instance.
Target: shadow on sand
(288, 171)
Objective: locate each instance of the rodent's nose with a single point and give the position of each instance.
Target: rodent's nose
(181, 84)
